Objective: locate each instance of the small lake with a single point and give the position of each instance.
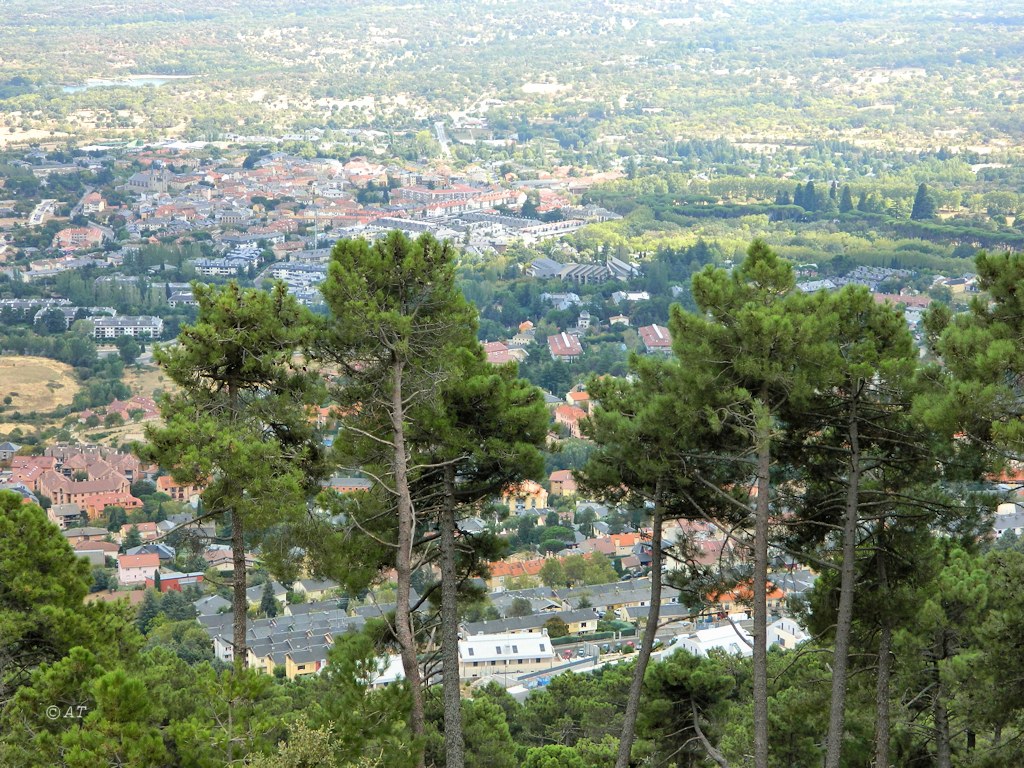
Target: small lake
(132, 81)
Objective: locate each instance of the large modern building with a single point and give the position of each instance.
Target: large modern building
(504, 654)
(137, 327)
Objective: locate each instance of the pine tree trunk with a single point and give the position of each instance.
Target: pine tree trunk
(943, 747)
(403, 559)
(454, 748)
(844, 620)
(647, 644)
(882, 697)
(760, 588)
(239, 604)
(884, 666)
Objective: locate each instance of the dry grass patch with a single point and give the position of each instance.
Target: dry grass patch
(147, 379)
(36, 383)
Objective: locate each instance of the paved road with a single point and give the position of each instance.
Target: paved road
(78, 208)
(40, 212)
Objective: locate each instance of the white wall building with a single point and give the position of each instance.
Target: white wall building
(504, 654)
(140, 327)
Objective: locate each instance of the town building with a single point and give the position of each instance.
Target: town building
(137, 327)
(525, 497)
(565, 347)
(504, 654)
(136, 569)
(656, 339)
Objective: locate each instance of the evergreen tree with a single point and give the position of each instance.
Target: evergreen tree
(42, 586)
(482, 435)
(862, 202)
(149, 609)
(924, 204)
(396, 312)
(811, 201)
(849, 435)
(798, 196)
(833, 191)
(156, 581)
(753, 351)
(239, 421)
(846, 200)
(132, 539)
(268, 604)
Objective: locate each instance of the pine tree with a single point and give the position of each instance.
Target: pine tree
(132, 539)
(648, 436)
(239, 420)
(148, 610)
(753, 350)
(846, 200)
(268, 604)
(482, 435)
(396, 312)
(156, 581)
(856, 421)
(924, 205)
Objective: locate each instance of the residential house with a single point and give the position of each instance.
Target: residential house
(786, 633)
(175, 580)
(497, 353)
(7, 451)
(66, 516)
(222, 560)
(656, 339)
(737, 600)
(107, 548)
(308, 661)
(89, 533)
(211, 605)
(730, 638)
(186, 492)
(349, 484)
(503, 570)
(570, 417)
(562, 300)
(147, 531)
(253, 595)
(525, 496)
(314, 589)
(136, 569)
(564, 346)
(504, 654)
(562, 483)
(618, 297)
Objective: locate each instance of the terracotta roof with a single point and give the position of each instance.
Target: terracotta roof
(655, 336)
(139, 561)
(569, 413)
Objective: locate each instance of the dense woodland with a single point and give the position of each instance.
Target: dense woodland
(806, 425)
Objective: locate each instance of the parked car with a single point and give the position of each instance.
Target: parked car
(567, 654)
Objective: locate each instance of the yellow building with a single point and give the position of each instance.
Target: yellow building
(524, 497)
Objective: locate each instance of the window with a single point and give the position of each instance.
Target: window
(470, 651)
(497, 649)
(542, 647)
(515, 649)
